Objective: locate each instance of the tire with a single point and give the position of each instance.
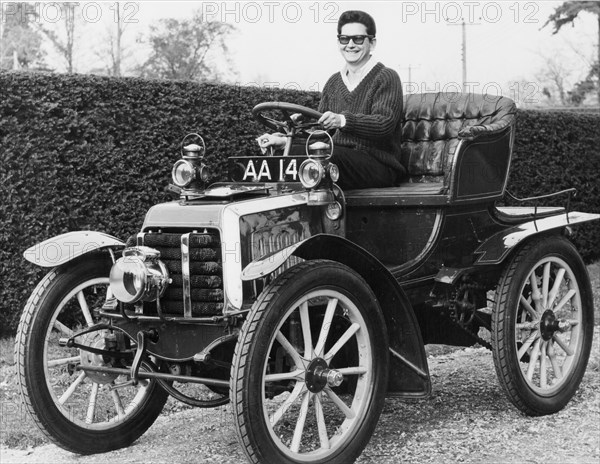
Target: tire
(319, 302)
(77, 410)
(540, 365)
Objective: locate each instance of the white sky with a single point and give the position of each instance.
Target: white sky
(294, 44)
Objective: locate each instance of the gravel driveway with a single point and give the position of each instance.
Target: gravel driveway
(466, 419)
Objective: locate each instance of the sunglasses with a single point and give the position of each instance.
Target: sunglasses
(357, 39)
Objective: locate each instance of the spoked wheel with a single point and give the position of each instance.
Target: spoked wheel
(542, 326)
(83, 412)
(310, 368)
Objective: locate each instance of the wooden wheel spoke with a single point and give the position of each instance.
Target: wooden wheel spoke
(85, 309)
(320, 416)
(556, 287)
(546, 284)
(570, 294)
(63, 328)
(527, 343)
(63, 361)
(532, 312)
(536, 296)
(306, 333)
(67, 394)
(533, 357)
(560, 342)
(553, 360)
(297, 439)
(342, 341)
(349, 413)
(357, 370)
(329, 312)
(298, 389)
(298, 374)
(534, 325)
(118, 403)
(91, 411)
(287, 346)
(543, 361)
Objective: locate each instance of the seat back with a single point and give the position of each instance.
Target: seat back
(432, 122)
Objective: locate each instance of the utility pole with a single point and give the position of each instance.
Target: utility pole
(2, 19)
(410, 67)
(464, 25)
(464, 53)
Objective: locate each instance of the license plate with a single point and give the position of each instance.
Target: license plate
(265, 168)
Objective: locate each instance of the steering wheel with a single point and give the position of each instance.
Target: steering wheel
(290, 126)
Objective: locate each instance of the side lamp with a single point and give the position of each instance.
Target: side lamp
(317, 174)
(190, 173)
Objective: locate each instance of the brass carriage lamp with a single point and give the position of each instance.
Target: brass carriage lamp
(318, 175)
(190, 173)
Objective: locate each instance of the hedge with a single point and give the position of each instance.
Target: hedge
(88, 152)
(555, 151)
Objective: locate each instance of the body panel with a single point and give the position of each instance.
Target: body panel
(496, 248)
(66, 247)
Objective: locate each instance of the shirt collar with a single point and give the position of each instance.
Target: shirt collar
(361, 73)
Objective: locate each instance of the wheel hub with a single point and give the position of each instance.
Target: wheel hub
(319, 375)
(548, 325)
(95, 340)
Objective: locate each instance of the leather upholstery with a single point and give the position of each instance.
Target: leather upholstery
(435, 122)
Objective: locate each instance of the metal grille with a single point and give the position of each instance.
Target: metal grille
(277, 238)
(205, 273)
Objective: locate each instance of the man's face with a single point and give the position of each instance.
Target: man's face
(354, 54)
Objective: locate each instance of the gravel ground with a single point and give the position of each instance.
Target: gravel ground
(467, 419)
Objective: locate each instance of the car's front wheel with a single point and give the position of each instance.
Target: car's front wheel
(82, 411)
(310, 368)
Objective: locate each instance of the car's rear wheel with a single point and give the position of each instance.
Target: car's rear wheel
(542, 325)
(83, 412)
(315, 326)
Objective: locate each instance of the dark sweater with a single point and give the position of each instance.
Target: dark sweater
(373, 112)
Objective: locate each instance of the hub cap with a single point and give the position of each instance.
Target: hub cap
(318, 376)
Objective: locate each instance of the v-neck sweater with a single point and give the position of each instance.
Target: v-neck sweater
(373, 112)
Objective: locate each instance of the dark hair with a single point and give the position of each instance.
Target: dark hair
(355, 16)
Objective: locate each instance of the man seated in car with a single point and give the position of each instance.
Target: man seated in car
(364, 103)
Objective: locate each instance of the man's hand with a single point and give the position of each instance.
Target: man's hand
(275, 140)
(272, 141)
(331, 120)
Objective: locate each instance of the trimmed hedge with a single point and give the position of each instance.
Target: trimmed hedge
(88, 152)
(555, 151)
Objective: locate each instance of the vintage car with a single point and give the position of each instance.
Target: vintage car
(304, 305)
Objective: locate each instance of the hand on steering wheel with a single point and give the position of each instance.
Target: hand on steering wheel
(330, 120)
(271, 142)
(297, 120)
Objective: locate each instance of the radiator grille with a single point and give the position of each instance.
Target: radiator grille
(206, 273)
(277, 238)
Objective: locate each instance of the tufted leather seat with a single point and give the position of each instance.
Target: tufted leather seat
(434, 124)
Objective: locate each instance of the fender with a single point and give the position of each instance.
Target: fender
(496, 248)
(66, 247)
(409, 373)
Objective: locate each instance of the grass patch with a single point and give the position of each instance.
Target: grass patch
(17, 429)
